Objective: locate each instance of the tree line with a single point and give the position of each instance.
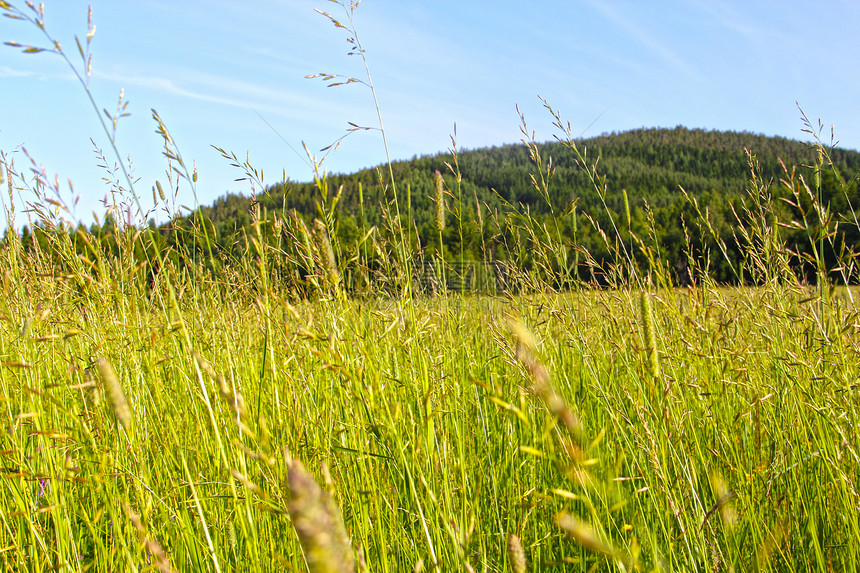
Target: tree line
(681, 196)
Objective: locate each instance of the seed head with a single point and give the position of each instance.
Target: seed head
(626, 208)
(439, 198)
(318, 524)
(516, 555)
(649, 330)
(115, 395)
(584, 534)
(326, 253)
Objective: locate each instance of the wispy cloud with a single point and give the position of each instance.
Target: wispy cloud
(298, 115)
(10, 72)
(7, 72)
(219, 90)
(649, 40)
(736, 19)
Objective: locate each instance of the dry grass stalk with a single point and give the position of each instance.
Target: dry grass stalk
(245, 481)
(232, 398)
(94, 396)
(11, 190)
(318, 524)
(361, 562)
(516, 554)
(724, 501)
(585, 535)
(776, 537)
(541, 382)
(153, 548)
(115, 395)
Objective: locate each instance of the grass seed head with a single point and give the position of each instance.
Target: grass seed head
(153, 548)
(516, 555)
(724, 500)
(541, 384)
(318, 524)
(115, 395)
(439, 198)
(650, 332)
(584, 534)
(329, 262)
(233, 398)
(231, 536)
(94, 395)
(626, 208)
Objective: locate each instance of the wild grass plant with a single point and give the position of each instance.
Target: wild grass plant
(169, 411)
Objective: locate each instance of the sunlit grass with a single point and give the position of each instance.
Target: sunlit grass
(302, 408)
(433, 435)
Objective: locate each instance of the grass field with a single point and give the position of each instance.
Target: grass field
(439, 426)
(304, 408)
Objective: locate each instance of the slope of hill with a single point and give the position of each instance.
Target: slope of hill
(651, 165)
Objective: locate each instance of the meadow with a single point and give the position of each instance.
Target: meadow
(719, 436)
(308, 406)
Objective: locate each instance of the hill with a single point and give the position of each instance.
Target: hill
(653, 166)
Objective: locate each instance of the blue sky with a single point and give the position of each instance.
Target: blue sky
(209, 68)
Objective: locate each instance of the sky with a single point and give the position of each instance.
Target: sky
(233, 75)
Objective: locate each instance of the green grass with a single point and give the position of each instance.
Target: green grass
(297, 408)
(432, 431)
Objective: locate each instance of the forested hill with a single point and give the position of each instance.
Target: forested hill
(652, 165)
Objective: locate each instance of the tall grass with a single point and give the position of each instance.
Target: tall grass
(189, 415)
